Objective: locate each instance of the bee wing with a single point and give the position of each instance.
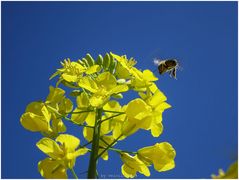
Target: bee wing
(156, 61)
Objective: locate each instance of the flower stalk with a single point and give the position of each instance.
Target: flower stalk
(92, 173)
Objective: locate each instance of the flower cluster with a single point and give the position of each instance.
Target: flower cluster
(231, 173)
(97, 84)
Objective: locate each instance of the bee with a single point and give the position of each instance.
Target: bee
(167, 65)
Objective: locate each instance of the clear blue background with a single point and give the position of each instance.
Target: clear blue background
(201, 125)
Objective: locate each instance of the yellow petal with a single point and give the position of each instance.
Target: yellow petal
(88, 133)
(132, 165)
(70, 142)
(122, 72)
(106, 80)
(99, 100)
(34, 122)
(58, 125)
(88, 83)
(46, 113)
(82, 101)
(55, 95)
(50, 147)
(93, 69)
(161, 154)
(149, 76)
(132, 111)
(113, 106)
(75, 154)
(65, 106)
(127, 171)
(105, 155)
(156, 129)
(118, 89)
(157, 98)
(90, 119)
(69, 77)
(52, 169)
(106, 126)
(153, 87)
(79, 118)
(161, 107)
(35, 108)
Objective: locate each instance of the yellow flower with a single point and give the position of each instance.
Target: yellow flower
(58, 102)
(140, 81)
(52, 169)
(61, 156)
(156, 100)
(232, 172)
(70, 72)
(101, 88)
(36, 118)
(137, 113)
(161, 155)
(124, 68)
(83, 104)
(147, 115)
(115, 124)
(73, 71)
(132, 165)
(42, 117)
(143, 80)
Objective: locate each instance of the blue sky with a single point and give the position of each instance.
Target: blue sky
(202, 123)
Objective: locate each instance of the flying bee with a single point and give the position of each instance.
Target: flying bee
(167, 65)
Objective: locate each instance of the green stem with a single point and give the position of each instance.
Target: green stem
(78, 112)
(74, 174)
(86, 144)
(114, 111)
(122, 151)
(68, 119)
(109, 146)
(92, 173)
(110, 118)
(115, 149)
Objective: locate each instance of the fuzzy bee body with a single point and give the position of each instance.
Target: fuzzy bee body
(168, 65)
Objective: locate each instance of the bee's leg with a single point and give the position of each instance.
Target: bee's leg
(170, 73)
(174, 73)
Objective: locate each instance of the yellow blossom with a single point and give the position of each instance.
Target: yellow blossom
(83, 105)
(231, 173)
(158, 105)
(137, 113)
(114, 124)
(62, 155)
(132, 165)
(143, 80)
(101, 88)
(125, 68)
(44, 117)
(73, 71)
(58, 102)
(161, 155)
